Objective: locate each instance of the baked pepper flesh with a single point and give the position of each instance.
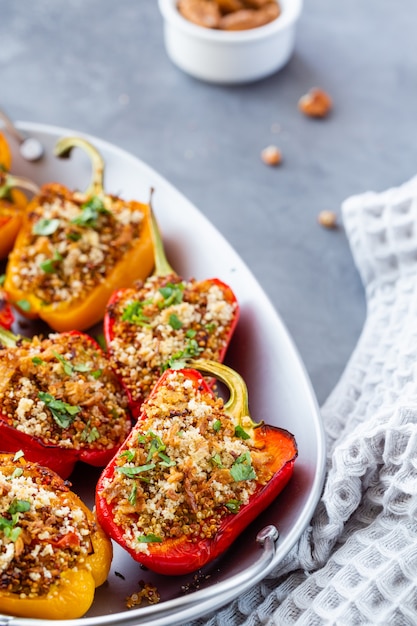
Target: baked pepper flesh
(5, 154)
(12, 206)
(166, 319)
(193, 473)
(6, 312)
(60, 402)
(53, 553)
(75, 248)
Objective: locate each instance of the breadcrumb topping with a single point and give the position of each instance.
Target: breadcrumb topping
(164, 319)
(184, 468)
(62, 391)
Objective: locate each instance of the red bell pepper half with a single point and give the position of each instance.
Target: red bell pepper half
(166, 320)
(6, 313)
(60, 402)
(193, 473)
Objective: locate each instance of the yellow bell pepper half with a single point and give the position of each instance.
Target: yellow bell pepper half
(67, 300)
(73, 594)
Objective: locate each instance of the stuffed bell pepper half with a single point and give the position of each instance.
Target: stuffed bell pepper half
(53, 553)
(75, 248)
(60, 401)
(193, 473)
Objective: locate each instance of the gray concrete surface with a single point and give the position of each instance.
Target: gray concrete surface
(100, 67)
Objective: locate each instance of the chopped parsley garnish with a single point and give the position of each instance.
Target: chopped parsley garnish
(151, 538)
(233, 506)
(138, 469)
(45, 226)
(172, 294)
(50, 266)
(70, 368)
(242, 468)
(132, 495)
(216, 459)
(90, 434)
(90, 212)
(156, 446)
(166, 461)
(24, 305)
(129, 455)
(133, 313)
(175, 322)
(9, 526)
(37, 360)
(180, 358)
(62, 412)
(241, 433)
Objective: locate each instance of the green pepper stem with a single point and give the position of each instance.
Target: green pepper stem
(162, 267)
(8, 182)
(63, 149)
(237, 404)
(7, 338)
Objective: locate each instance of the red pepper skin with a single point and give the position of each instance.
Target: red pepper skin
(110, 322)
(6, 313)
(60, 460)
(181, 556)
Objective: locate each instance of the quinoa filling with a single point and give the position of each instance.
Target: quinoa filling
(185, 467)
(62, 391)
(42, 532)
(163, 320)
(73, 243)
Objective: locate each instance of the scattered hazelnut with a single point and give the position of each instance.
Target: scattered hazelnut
(315, 103)
(271, 155)
(327, 219)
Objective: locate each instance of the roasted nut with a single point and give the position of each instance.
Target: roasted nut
(271, 155)
(327, 219)
(229, 14)
(315, 103)
(246, 19)
(201, 12)
(257, 4)
(228, 6)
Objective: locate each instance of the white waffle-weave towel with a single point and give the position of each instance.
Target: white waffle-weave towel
(357, 562)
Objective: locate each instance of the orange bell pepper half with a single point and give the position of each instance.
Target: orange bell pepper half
(74, 249)
(57, 579)
(12, 205)
(193, 473)
(5, 154)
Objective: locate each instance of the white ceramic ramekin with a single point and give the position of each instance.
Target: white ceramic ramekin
(230, 56)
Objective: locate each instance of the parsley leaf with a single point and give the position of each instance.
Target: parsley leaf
(241, 433)
(49, 266)
(62, 412)
(133, 313)
(45, 226)
(133, 471)
(172, 294)
(242, 468)
(90, 212)
(175, 322)
(151, 538)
